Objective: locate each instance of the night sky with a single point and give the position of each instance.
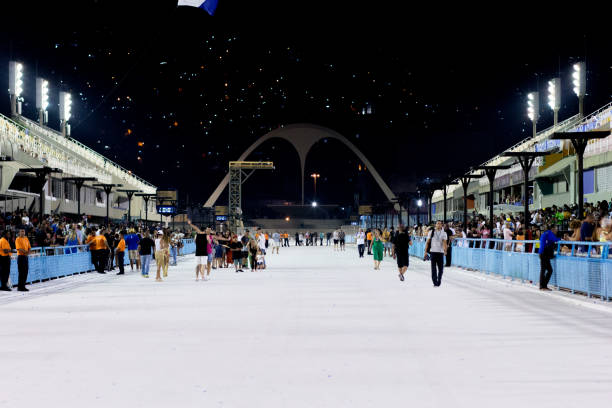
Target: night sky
(173, 94)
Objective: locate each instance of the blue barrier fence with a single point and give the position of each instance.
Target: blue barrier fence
(584, 267)
(56, 262)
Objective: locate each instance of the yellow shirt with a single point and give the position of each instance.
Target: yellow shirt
(4, 244)
(23, 245)
(121, 246)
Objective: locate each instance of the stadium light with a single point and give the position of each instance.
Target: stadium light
(65, 112)
(16, 86)
(533, 108)
(579, 82)
(554, 96)
(42, 100)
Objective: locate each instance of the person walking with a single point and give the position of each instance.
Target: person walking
(162, 254)
(22, 244)
(335, 240)
(5, 261)
(547, 253)
(120, 251)
(132, 240)
(360, 239)
(369, 241)
(449, 233)
(236, 251)
(145, 249)
(436, 246)
(401, 246)
(377, 249)
(341, 238)
(201, 242)
(386, 239)
(275, 242)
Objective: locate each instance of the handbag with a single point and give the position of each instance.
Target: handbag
(428, 243)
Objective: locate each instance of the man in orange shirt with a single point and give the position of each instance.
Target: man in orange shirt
(5, 262)
(22, 243)
(120, 251)
(369, 242)
(97, 247)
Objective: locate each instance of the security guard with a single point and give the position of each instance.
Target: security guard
(5, 262)
(22, 244)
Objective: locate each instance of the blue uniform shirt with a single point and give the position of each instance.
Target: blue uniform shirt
(547, 238)
(132, 241)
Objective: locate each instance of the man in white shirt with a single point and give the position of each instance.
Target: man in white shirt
(360, 238)
(437, 249)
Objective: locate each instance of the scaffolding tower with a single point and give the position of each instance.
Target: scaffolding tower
(238, 169)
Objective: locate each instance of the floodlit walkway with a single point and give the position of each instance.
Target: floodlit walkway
(316, 329)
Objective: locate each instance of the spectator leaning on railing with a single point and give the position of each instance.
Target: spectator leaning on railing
(547, 253)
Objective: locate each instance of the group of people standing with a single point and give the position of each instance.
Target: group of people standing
(381, 243)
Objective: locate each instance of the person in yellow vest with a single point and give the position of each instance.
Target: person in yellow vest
(120, 252)
(5, 262)
(369, 241)
(22, 244)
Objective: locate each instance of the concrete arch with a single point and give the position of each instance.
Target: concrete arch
(302, 137)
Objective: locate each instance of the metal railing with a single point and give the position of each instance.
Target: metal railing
(583, 267)
(55, 262)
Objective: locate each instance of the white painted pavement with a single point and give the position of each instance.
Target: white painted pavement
(316, 329)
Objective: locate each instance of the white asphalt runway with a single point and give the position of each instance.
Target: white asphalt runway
(316, 329)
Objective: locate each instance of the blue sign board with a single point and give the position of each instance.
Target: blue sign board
(166, 209)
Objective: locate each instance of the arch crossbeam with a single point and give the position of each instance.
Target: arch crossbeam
(302, 137)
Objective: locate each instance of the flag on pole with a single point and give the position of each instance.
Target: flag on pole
(208, 5)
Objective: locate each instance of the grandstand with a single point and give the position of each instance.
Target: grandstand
(26, 144)
(552, 180)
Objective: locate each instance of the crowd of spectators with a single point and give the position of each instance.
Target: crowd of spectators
(594, 225)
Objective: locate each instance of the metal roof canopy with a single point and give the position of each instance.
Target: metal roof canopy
(579, 141)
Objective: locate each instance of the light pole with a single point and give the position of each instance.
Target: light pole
(42, 100)
(554, 97)
(130, 194)
(533, 108)
(579, 82)
(419, 205)
(15, 86)
(108, 188)
(78, 182)
(315, 176)
(65, 112)
(146, 197)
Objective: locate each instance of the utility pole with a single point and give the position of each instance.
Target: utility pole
(78, 182)
(108, 188)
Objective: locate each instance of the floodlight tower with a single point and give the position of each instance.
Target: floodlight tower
(533, 109)
(554, 97)
(16, 86)
(579, 82)
(42, 100)
(65, 112)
